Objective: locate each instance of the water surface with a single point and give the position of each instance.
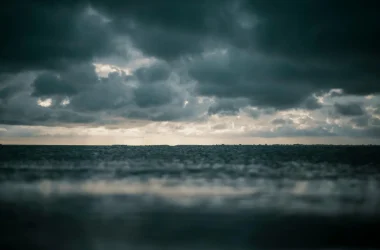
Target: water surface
(189, 197)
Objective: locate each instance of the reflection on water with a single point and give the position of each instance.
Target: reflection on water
(311, 196)
(189, 197)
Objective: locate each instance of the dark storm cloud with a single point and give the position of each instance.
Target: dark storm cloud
(375, 122)
(280, 121)
(234, 74)
(19, 107)
(349, 109)
(377, 110)
(361, 121)
(174, 111)
(179, 44)
(78, 95)
(341, 35)
(83, 88)
(7, 92)
(366, 121)
(23, 110)
(165, 29)
(312, 103)
(227, 106)
(103, 96)
(373, 132)
(66, 82)
(316, 28)
(159, 71)
(12, 84)
(301, 29)
(49, 84)
(274, 55)
(93, 94)
(50, 35)
(153, 95)
(335, 94)
(256, 112)
(89, 93)
(274, 82)
(327, 44)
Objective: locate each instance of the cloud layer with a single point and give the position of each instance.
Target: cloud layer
(108, 63)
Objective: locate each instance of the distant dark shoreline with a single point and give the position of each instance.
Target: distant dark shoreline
(195, 145)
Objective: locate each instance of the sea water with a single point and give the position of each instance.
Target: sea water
(189, 197)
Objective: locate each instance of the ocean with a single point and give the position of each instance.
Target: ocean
(189, 197)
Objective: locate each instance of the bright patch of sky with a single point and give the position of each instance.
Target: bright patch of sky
(45, 103)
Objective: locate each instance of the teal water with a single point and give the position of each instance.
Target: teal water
(189, 197)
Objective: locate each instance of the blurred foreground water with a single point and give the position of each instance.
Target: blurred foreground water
(190, 197)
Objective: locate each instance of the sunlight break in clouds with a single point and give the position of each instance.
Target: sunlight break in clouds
(45, 103)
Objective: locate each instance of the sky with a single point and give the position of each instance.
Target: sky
(144, 72)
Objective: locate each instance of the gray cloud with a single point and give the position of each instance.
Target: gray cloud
(168, 112)
(288, 131)
(11, 86)
(377, 110)
(159, 71)
(361, 121)
(154, 95)
(254, 113)
(311, 103)
(228, 106)
(349, 109)
(280, 121)
(375, 122)
(373, 132)
(366, 121)
(49, 84)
